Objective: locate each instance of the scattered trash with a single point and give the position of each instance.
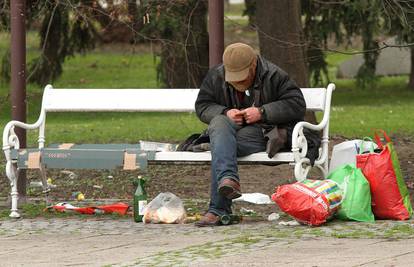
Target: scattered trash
(255, 198)
(230, 219)
(79, 196)
(247, 212)
(39, 184)
(156, 146)
(194, 218)
(119, 208)
(50, 183)
(289, 223)
(35, 184)
(110, 177)
(273, 217)
(71, 175)
(98, 186)
(165, 208)
(140, 199)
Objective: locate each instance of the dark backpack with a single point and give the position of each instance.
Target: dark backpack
(196, 143)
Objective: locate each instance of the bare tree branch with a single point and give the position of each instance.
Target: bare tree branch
(384, 46)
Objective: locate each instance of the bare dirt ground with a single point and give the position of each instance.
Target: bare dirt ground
(188, 182)
(119, 241)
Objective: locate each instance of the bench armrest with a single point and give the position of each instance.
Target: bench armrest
(10, 139)
(299, 142)
(300, 145)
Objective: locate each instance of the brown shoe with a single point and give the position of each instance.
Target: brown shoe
(209, 219)
(229, 188)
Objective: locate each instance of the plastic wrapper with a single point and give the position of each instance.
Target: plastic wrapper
(165, 208)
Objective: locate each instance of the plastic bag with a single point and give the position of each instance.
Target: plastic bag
(255, 198)
(165, 208)
(345, 152)
(120, 208)
(356, 202)
(311, 202)
(390, 197)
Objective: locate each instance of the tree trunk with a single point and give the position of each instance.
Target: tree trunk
(281, 39)
(411, 82)
(184, 59)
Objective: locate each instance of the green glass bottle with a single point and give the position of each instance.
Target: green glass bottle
(228, 219)
(140, 199)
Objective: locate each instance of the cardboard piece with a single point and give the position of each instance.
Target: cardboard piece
(66, 145)
(33, 161)
(130, 161)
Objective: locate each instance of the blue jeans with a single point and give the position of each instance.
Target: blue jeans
(228, 141)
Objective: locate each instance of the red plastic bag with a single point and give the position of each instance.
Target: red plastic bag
(311, 202)
(120, 208)
(390, 198)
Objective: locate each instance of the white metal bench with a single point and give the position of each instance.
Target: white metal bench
(128, 157)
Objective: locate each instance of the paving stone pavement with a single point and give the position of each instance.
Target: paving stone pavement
(103, 241)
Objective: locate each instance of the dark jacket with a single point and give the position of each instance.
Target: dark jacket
(273, 89)
(280, 97)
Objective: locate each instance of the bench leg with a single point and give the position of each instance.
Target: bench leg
(13, 174)
(302, 168)
(322, 168)
(45, 186)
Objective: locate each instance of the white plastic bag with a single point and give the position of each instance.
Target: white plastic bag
(165, 208)
(345, 152)
(255, 198)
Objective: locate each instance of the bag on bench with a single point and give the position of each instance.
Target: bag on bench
(196, 143)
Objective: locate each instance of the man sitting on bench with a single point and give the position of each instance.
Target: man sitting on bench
(250, 105)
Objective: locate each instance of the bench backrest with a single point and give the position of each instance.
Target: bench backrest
(162, 100)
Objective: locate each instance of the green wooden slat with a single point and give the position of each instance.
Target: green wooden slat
(82, 158)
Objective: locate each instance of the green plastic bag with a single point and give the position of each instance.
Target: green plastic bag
(356, 203)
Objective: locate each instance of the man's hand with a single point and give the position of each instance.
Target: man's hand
(251, 115)
(235, 115)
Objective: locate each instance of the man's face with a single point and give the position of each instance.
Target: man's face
(243, 85)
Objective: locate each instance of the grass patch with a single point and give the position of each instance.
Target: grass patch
(4, 213)
(399, 230)
(355, 112)
(353, 234)
(37, 210)
(234, 9)
(29, 210)
(119, 128)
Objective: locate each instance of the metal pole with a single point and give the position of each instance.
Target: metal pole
(216, 31)
(18, 76)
